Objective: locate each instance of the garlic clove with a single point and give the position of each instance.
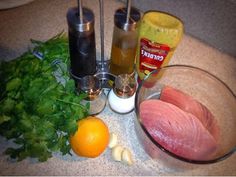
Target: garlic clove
(113, 140)
(126, 157)
(116, 152)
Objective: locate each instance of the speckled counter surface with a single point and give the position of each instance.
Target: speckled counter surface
(43, 19)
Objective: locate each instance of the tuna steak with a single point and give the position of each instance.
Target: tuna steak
(176, 130)
(190, 105)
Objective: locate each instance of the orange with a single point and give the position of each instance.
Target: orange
(91, 137)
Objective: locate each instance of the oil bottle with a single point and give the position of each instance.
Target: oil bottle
(124, 41)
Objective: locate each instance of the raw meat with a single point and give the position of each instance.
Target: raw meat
(190, 105)
(176, 130)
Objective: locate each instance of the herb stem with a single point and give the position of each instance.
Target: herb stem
(72, 103)
(49, 88)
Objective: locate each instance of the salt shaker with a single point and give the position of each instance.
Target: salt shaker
(96, 97)
(121, 97)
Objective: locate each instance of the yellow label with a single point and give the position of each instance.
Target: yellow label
(159, 28)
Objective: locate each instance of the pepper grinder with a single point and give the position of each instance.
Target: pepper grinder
(121, 97)
(81, 41)
(124, 41)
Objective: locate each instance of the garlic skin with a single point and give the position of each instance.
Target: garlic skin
(126, 157)
(117, 152)
(113, 140)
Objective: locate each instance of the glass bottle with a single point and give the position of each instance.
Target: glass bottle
(124, 41)
(81, 42)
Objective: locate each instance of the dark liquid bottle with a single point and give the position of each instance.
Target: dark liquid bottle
(82, 43)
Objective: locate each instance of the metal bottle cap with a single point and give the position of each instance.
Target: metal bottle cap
(90, 85)
(125, 86)
(120, 19)
(75, 23)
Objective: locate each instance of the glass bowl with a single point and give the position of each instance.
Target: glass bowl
(165, 143)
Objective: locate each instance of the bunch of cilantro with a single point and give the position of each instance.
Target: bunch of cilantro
(39, 106)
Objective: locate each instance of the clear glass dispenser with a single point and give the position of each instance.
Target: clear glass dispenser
(124, 40)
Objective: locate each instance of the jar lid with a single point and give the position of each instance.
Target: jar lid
(120, 19)
(90, 85)
(125, 85)
(74, 21)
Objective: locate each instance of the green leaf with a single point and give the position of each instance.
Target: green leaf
(19, 141)
(13, 84)
(46, 130)
(39, 110)
(70, 86)
(70, 126)
(45, 107)
(45, 156)
(26, 123)
(63, 145)
(8, 105)
(19, 107)
(79, 97)
(14, 153)
(4, 118)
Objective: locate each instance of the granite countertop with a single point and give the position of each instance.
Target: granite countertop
(43, 19)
